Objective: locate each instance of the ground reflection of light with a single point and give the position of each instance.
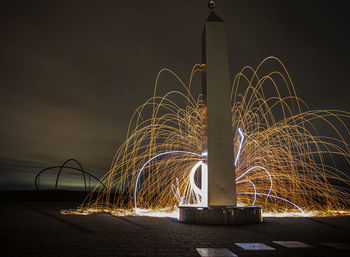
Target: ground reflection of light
(157, 213)
(286, 214)
(167, 213)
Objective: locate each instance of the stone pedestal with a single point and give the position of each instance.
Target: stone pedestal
(225, 215)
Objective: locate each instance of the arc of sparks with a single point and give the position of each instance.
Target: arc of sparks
(279, 139)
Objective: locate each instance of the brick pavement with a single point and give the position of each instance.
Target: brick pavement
(37, 229)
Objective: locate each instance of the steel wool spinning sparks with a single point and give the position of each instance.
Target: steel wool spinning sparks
(282, 163)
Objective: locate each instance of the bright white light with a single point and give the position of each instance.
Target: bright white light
(194, 187)
(204, 201)
(201, 193)
(240, 145)
(193, 195)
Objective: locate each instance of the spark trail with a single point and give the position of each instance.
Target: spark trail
(282, 162)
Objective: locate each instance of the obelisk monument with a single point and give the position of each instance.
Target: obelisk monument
(217, 138)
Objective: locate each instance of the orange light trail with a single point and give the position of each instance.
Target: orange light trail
(282, 162)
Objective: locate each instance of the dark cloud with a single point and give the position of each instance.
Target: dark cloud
(72, 72)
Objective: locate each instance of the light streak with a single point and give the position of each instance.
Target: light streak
(196, 190)
(146, 163)
(255, 167)
(204, 185)
(258, 167)
(273, 196)
(255, 192)
(199, 195)
(240, 145)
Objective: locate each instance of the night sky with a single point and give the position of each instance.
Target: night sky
(73, 72)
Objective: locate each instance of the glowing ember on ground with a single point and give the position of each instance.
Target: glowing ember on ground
(123, 212)
(175, 213)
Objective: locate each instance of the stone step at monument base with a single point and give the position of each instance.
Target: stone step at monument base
(221, 215)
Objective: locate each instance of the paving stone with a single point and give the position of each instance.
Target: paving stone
(38, 229)
(254, 246)
(338, 245)
(293, 244)
(215, 252)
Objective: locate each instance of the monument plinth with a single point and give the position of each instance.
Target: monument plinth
(220, 205)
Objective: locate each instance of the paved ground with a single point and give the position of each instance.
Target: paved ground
(37, 229)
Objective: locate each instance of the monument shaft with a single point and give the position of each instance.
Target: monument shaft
(217, 135)
(219, 196)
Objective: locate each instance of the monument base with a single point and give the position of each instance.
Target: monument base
(221, 215)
